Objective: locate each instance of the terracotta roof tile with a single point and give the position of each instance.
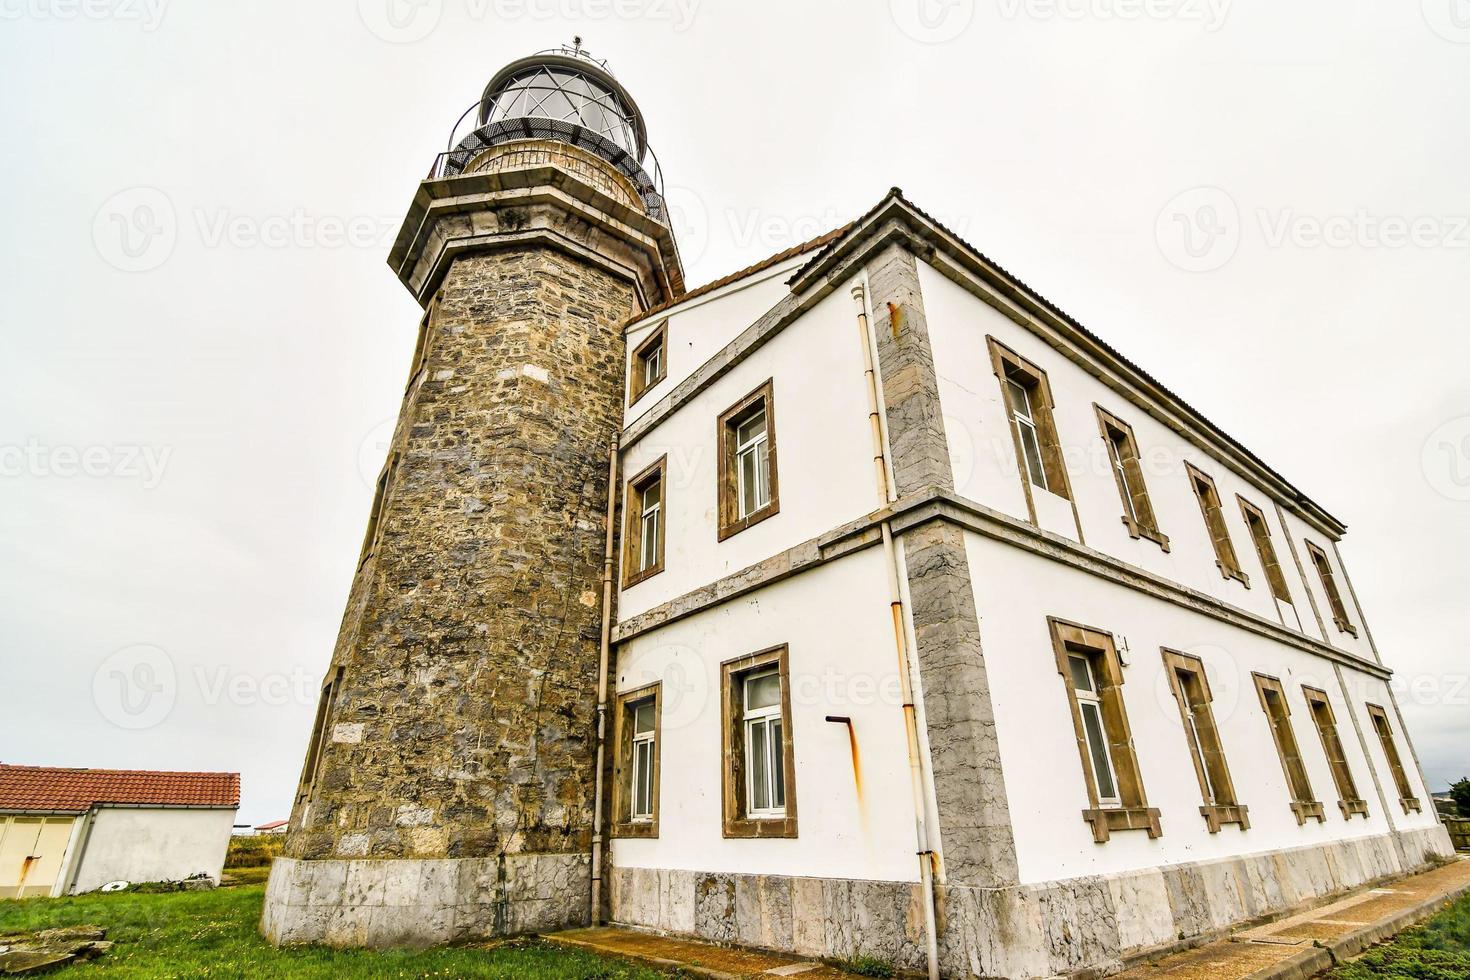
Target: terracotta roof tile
(75, 790)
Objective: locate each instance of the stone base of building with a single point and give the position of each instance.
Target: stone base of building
(423, 902)
(1091, 925)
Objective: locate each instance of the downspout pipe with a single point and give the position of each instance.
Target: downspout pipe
(602, 664)
(887, 493)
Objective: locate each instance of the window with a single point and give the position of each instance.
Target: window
(1029, 409)
(637, 721)
(380, 503)
(1192, 692)
(643, 540)
(759, 768)
(747, 434)
(1329, 585)
(1326, 722)
(1407, 799)
(1123, 458)
(1255, 521)
(421, 348)
(325, 707)
(649, 364)
(1089, 664)
(1214, 514)
(1278, 715)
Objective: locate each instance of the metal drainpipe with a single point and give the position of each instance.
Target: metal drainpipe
(887, 494)
(607, 582)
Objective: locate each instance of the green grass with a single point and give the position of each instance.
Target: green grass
(1437, 950)
(213, 934)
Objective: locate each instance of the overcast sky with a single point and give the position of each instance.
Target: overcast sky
(1263, 204)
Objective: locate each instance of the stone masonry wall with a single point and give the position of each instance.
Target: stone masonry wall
(464, 723)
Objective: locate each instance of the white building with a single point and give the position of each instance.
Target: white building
(1146, 702)
(67, 831)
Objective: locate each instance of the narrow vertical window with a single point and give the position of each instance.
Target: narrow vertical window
(1278, 716)
(1028, 403)
(1326, 721)
(1214, 515)
(643, 539)
(649, 363)
(759, 761)
(1123, 458)
(380, 503)
(425, 339)
(1191, 690)
(1329, 586)
(320, 735)
(1255, 522)
(637, 721)
(748, 485)
(1089, 663)
(1407, 799)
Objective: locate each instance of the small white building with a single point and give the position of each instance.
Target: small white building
(66, 831)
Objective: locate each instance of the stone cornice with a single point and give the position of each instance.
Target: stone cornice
(928, 505)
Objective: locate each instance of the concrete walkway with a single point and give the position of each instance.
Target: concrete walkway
(1288, 949)
(1308, 943)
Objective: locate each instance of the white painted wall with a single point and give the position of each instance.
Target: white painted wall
(162, 844)
(701, 327)
(984, 462)
(823, 452)
(836, 622)
(1015, 592)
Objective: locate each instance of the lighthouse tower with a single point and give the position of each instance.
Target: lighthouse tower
(448, 788)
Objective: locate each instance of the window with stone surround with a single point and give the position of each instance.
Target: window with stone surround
(748, 484)
(1191, 690)
(1214, 515)
(1407, 799)
(1329, 586)
(1260, 529)
(1092, 673)
(650, 363)
(325, 706)
(1326, 721)
(637, 731)
(380, 502)
(421, 347)
(1124, 460)
(1278, 714)
(1027, 397)
(645, 507)
(758, 761)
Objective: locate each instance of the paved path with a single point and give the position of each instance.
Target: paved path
(1288, 949)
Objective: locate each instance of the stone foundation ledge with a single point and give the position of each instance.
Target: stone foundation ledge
(1090, 925)
(423, 902)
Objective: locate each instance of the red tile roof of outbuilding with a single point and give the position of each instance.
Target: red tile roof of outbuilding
(75, 790)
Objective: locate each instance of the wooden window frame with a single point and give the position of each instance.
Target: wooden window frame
(1407, 799)
(1227, 559)
(1133, 813)
(634, 489)
(1328, 578)
(1288, 750)
(1008, 365)
(730, 520)
(326, 705)
(1342, 775)
(381, 495)
(1138, 509)
(1202, 736)
(732, 750)
(622, 795)
(1266, 551)
(637, 384)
